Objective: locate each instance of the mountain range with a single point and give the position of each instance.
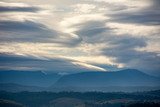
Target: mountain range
(128, 77)
(124, 80)
(29, 78)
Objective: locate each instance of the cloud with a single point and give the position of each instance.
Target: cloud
(123, 49)
(133, 29)
(29, 31)
(23, 62)
(121, 43)
(154, 4)
(89, 66)
(18, 9)
(144, 15)
(20, 22)
(15, 11)
(84, 8)
(70, 24)
(122, 33)
(140, 17)
(22, 26)
(93, 31)
(91, 28)
(87, 27)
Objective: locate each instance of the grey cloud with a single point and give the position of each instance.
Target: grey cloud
(146, 18)
(90, 25)
(92, 31)
(155, 3)
(124, 51)
(6, 57)
(21, 26)
(148, 62)
(19, 9)
(123, 48)
(29, 31)
(91, 28)
(120, 47)
(149, 15)
(126, 42)
(10, 61)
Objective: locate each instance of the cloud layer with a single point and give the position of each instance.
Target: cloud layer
(85, 35)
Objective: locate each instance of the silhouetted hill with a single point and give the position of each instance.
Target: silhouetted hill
(8, 103)
(66, 102)
(30, 78)
(78, 99)
(95, 80)
(143, 104)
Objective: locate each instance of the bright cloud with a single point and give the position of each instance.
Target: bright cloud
(84, 8)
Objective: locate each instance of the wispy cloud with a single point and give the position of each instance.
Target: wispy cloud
(17, 7)
(28, 62)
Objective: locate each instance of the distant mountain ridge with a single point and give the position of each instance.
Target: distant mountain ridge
(128, 80)
(29, 78)
(128, 77)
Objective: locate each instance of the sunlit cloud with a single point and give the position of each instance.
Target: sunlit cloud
(83, 8)
(92, 67)
(133, 29)
(69, 24)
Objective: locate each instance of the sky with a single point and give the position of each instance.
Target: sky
(67, 36)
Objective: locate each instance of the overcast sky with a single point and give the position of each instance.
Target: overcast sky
(80, 35)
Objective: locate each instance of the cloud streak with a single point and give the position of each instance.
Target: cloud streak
(22, 62)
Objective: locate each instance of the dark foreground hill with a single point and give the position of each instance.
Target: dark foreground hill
(87, 99)
(8, 103)
(66, 102)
